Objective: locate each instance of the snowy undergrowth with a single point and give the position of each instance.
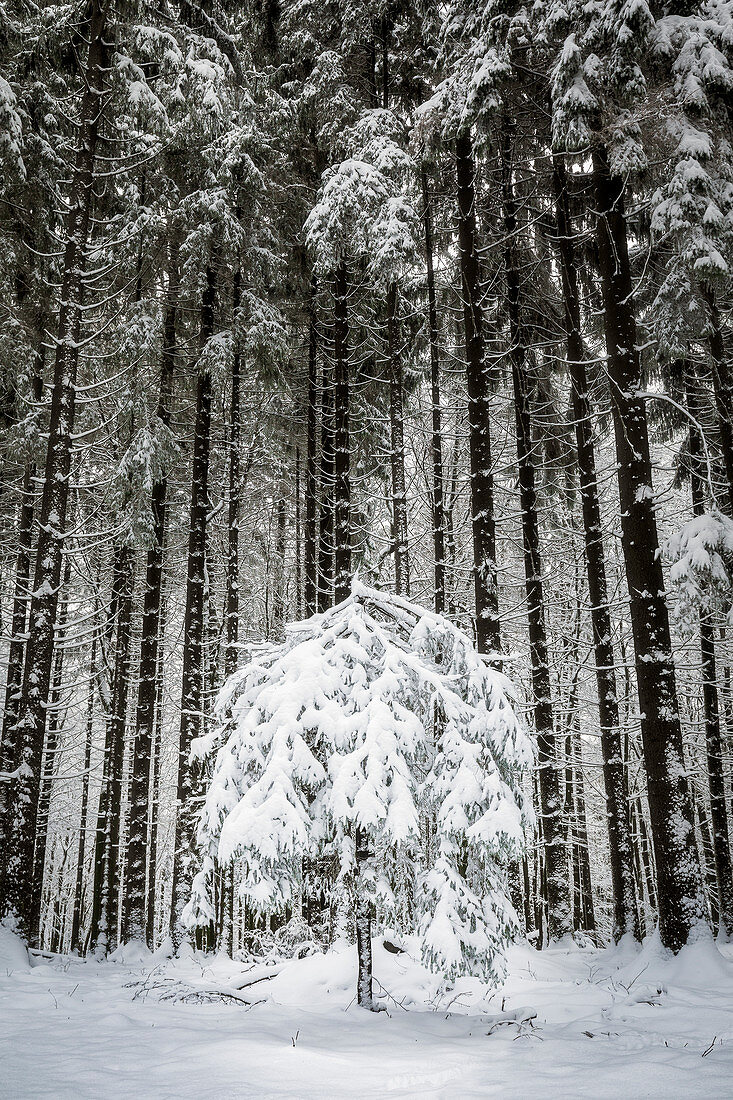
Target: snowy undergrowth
(569, 1022)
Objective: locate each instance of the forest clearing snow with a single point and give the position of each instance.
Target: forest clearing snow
(569, 1022)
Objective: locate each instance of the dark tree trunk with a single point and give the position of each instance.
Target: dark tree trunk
(614, 770)
(584, 912)
(298, 534)
(154, 796)
(192, 693)
(16, 651)
(231, 611)
(479, 390)
(363, 920)
(559, 920)
(723, 390)
(113, 856)
(22, 892)
(436, 436)
(54, 724)
(311, 466)
(136, 886)
(678, 871)
(278, 611)
(341, 442)
(711, 706)
(106, 871)
(397, 455)
(81, 850)
(325, 539)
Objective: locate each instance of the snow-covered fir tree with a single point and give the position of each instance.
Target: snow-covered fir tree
(376, 735)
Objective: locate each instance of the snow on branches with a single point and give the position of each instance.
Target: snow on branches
(376, 717)
(702, 569)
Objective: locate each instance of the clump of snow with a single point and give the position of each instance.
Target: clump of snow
(13, 952)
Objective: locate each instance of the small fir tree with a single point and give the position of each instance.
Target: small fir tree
(374, 734)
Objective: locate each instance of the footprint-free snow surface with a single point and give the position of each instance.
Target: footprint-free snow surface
(570, 1022)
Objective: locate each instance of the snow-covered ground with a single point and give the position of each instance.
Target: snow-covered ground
(570, 1022)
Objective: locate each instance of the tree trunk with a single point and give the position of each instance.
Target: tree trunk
(154, 810)
(49, 756)
(21, 595)
(231, 607)
(614, 771)
(136, 886)
(192, 693)
(711, 706)
(397, 455)
(363, 920)
(678, 870)
(341, 442)
(22, 892)
(325, 539)
(477, 377)
(81, 850)
(311, 460)
(281, 516)
(436, 436)
(723, 390)
(103, 926)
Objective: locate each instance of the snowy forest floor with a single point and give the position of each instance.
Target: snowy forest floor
(621, 1022)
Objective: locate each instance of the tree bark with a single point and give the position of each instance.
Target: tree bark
(723, 390)
(192, 692)
(81, 849)
(311, 466)
(49, 757)
(138, 849)
(341, 441)
(436, 440)
(326, 505)
(488, 638)
(363, 920)
(21, 596)
(720, 841)
(231, 608)
(397, 452)
(678, 871)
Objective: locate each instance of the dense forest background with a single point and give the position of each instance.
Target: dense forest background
(435, 294)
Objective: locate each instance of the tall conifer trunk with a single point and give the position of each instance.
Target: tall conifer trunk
(479, 426)
(192, 691)
(54, 726)
(136, 884)
(625, 917)
(436, 441)
(310, 568)
(231, 603)
(16, 650)
(341, 441)
(722, 389)
(81, 848)
(678, 871)
(326, 493)
(720, 842)
(397, 450)
(21, 890)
